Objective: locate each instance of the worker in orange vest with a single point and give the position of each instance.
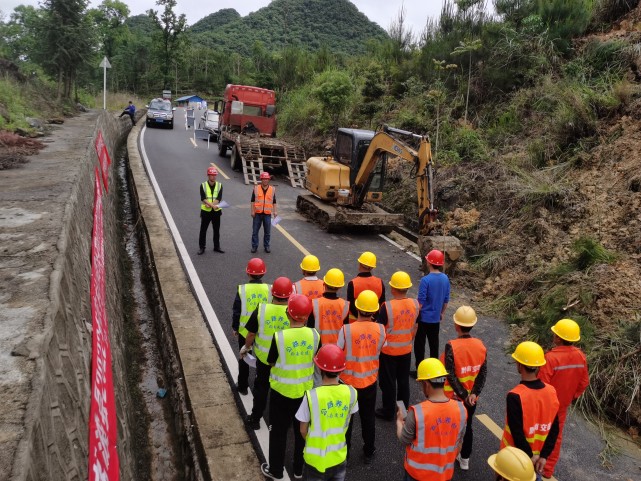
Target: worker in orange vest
(433, 430)
(262, 209)
(566, 369)
(399, 316)
(531, 421)
(310, 285)
(364, 280)
(465, 359)
(330, 312)
(362, 342)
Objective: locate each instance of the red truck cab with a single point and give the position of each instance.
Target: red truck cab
(243, 104)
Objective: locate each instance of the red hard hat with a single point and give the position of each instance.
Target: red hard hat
(212, 171)
(256, 267)
(265, 175)
(330, 358)
(435, 257)
(299, 307)
(282, 288)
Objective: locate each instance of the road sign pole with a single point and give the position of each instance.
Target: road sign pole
(105, 65)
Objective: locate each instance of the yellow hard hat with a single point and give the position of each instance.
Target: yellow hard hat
(567, 329)
(400, 280)
(529, 354)
(367, 259)
(367, 301)
(430, 368)
(310, 263)
(512, 464)
(465, 316)
(334, 278)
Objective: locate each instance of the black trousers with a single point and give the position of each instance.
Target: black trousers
(466, 449)
(205, 218)
(430, 331)
(282, 414)
(394, 380)
(261, 389)
(131, 116)
(366, 411)
(243, 367)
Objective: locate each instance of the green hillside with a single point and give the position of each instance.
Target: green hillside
(215, 20)
(310, 24)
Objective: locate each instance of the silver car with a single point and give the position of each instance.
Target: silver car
(210, 122)
(160, 112)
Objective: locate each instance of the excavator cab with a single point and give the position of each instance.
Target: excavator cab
(351, 146)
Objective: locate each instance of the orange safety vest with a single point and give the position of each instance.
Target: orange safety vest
(263, 201)
(566, 369)
(329, 315)
(311, 289)
(540, 407)
(362, 342)
(401, 326)
(361, 284)
(469, 355)
(439, 431)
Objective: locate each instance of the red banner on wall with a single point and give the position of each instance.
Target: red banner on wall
(103, 158)
(103, 456)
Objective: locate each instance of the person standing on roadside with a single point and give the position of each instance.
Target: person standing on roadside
(433, 296)
(310, 285)
(531, 420)
(324, 417)
(399, 316)
(248, 297)
(211, 193)
(131, 111)
(330, 312)
(263, 208)
(364, 280)
(465, 359)
(565, 369)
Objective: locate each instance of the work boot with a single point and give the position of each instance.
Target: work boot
(268, 250)
(267, 473)
(380, 413)
(218, 249)
(369, 458)
(463, 462)
(253, 423)
(254, 249)
(201, 251)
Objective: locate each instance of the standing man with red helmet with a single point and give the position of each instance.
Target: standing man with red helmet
(433, 296)
(211, 193)
(364, 280)
(248, 297)
(291, 356)
(264, 322)
(263, 208)
(324, 416)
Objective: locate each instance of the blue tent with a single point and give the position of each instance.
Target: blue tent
(189, 101)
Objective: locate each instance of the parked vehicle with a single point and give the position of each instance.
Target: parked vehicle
(160, 112)
(210, 122)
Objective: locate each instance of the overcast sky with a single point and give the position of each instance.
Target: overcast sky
(379, 11)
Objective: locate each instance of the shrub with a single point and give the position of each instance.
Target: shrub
(606, 11)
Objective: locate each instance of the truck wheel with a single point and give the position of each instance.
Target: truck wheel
(235, 159)
(222, 148)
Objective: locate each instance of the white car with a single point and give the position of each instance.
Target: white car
(210, 122)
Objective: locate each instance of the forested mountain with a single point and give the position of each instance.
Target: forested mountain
(215, 20)
(310, 24)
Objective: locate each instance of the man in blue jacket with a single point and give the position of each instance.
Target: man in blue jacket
(131, 111)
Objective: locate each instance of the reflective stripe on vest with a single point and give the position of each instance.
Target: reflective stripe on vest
(210, 196)
(251, 295)
(362, 343)
(401, 326)
(313, 289)
(293, 373)
(272, 318)
(539, 407)
(439, 430)
(263, 201)
(469, 355)
(371, 283)
(329, 410)
(329, 315)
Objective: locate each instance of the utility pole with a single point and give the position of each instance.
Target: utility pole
(105, 65)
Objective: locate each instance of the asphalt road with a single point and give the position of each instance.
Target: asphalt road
(179, 165)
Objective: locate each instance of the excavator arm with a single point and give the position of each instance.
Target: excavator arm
(384, 142)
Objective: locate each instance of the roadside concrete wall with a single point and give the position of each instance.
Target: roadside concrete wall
(45, 315)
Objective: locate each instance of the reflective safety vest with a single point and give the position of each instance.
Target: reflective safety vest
(566, 369)
(539, 407)
(329, 409)
(439, 430)
(210, 195)
(311, 289)
(293, 373)
(361, 284)
(263, 201)
(469, 355)
(272, 318)
(401, 326)
(251, 294)
(329, 315)
(362, 342)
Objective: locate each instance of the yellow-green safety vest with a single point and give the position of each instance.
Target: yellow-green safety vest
(272, 318)
(329, 410)
(251, 295)
(293, 373)
(210, 196)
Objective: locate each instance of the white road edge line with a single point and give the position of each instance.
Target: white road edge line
(229, 357)
(395, 244)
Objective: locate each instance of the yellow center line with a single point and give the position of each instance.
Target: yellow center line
(495, 429)
(292, 240)
(219, 171)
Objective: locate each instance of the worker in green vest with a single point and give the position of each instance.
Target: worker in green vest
(267, 319)
(248, 297)
(324, 417)
(292, 358)
(211, 194)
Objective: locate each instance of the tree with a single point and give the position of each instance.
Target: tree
(334, 89)
(463, 48)
(110, 17)
(172, 27)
